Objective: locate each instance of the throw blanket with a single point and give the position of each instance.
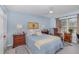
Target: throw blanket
(42, 42)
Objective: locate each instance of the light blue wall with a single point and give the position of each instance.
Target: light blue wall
(19, 18)
(52, 22)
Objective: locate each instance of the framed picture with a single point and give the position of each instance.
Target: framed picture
(33, 25)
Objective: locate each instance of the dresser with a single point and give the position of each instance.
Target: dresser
(67, 37)
(18, 39)
(45, 31)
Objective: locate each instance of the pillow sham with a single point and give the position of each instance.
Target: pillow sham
(30, 32)
(34, 32)
(37, 32)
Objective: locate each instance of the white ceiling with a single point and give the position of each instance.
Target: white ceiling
(38, 10)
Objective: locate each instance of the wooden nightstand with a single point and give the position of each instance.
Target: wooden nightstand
(18, 40)
(45, 31)
(67, 37)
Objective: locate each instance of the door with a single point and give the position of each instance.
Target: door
(1, 35)
(4, 32)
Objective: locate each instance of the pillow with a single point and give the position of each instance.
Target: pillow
(38, 33)
(51, 31)
(30, 32)
(34, 32)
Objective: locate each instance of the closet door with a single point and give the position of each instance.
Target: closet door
(5, 32)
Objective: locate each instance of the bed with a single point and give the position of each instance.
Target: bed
(39, 43)
(48, 46)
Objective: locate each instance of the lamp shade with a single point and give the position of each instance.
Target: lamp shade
(19, 26)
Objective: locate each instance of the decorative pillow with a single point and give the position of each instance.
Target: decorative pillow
(30, 32)
(38, 33)
(51, 31)
(34, 32)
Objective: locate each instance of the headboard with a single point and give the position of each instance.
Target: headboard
(33, 25)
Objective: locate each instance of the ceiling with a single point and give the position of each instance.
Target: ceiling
(39, 10)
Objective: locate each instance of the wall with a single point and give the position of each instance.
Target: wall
(52, 22)
(78, 24)
(58, 24)
(21, 18)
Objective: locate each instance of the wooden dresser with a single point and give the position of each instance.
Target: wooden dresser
(67, 37)
(45, 31)
(18, 40)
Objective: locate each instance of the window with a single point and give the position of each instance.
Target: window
(69, 23)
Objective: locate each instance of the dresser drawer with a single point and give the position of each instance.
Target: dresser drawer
(19, 40)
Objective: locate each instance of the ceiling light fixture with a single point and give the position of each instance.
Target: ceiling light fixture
(50, 11)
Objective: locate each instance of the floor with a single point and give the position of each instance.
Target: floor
(18, 50)
(68, 49)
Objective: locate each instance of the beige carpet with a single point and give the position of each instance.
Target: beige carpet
(18, 50)
(68, 49)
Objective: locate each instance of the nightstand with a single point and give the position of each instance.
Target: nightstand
(18, 39)
(67, 37)
(45, 31)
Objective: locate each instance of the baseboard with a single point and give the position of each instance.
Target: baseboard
(9, 45)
